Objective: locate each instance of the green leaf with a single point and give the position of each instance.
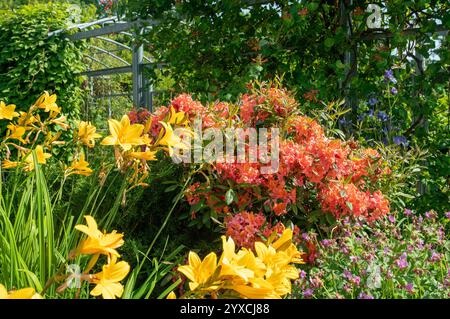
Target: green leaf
(329, 42)
(171, 188)
(229, 196)
(312, 6)
(350, 205)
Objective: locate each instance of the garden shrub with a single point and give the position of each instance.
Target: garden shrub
(316, 174)
(31, 62)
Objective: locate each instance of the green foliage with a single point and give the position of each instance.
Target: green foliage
(213, 48)
(31, 62)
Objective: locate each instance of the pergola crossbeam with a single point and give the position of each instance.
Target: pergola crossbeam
(110, 71)
(114, 28)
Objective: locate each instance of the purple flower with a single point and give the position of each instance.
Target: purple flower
(353, 259)
(429, 215)
(302, 274)
(420, 244)
(346, 221)
(372, 101)
(394, 91)
(356, 280)
(370, 114)
(326, 243)
(382, 116)
(400, 140)
(446, 282)
(306, 237)
(347, 288)
(307, 293)
(389, 76)
(402, 262)
(408, 212)
(391, 218)
(347, 275)
(316, 282)
(363, 295)
(409, 287)
(435, 257)
(447, 215)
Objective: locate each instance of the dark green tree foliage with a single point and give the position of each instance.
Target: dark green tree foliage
(217, 46)
(31, 62)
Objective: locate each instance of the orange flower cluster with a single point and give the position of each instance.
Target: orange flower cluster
(336, 176)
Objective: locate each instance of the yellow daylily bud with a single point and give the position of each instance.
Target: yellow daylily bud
(147, 155)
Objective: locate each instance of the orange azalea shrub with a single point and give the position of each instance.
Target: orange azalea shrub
(315, 171)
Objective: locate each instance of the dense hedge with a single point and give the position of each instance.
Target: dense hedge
(31, 62)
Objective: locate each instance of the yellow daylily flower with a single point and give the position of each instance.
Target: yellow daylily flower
(259, 289)
(177, 118)
(171, 295)
(9, 164)
(265, 253)
(284, 241)
(41, 158)
(124, 134)
(248, 258)
(169, 139)
(47, 102)
(86, 134)
(25, 293)
(268, 274)
(108, 280)
(200, 272)
(233, 264)
(7, 111)
(25, 119)
(280, 282)
(98, 242)
(79, 167)
(61, 122)
(15, 132)
(284, 244)
(147, 155)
